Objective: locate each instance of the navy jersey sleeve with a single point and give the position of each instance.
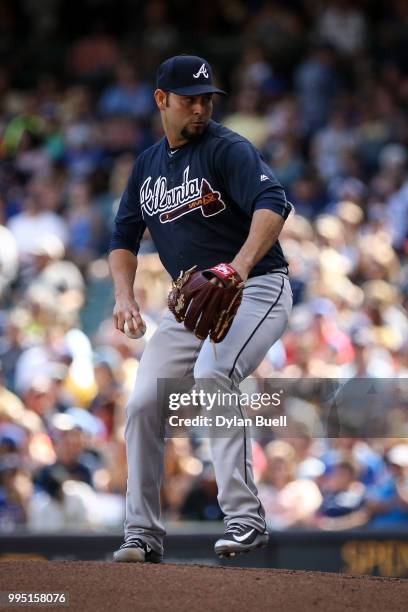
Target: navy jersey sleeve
(129, 224)
(250, 182)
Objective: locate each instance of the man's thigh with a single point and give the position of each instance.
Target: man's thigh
(170, 354)
(260, 321)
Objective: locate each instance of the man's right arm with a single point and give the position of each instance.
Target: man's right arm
(123, 265)
(124, 246)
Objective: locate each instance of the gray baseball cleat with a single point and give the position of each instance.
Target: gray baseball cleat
(136, 550)
(240, 539)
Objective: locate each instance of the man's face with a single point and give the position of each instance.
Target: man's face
(184, 117)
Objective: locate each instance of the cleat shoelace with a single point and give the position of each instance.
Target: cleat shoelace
(134, 542)
(236, 529)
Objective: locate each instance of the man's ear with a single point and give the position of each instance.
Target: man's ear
(160, 97)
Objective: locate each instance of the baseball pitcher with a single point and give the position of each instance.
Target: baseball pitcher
(214, 210)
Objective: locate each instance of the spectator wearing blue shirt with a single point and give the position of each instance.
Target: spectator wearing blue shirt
(343, 505)
(127, 96)
(388, 500)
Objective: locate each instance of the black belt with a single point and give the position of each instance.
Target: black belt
(281, 270)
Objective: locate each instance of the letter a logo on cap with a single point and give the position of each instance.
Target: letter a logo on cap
(203, 71)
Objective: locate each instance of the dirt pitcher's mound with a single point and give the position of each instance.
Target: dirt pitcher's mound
(108, 586)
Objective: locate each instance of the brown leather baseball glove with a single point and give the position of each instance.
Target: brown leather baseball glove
(207, 308)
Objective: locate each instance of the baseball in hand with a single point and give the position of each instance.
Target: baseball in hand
(134, 335)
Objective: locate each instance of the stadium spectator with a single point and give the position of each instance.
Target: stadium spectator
(316, 83)
(36, 223)
(127, 96)
(387, 499)
(342, 505)
(288, 501)
(84, 225)
(62, 504)
(15, 492)
(71, 452)
(344, 26)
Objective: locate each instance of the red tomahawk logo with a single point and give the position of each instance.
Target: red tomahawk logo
(209, 202)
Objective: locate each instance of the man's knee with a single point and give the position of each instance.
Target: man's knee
(210, 371)
(143, 403)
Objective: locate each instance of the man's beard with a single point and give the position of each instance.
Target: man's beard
(190, 136)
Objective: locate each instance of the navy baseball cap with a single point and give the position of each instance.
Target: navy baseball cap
(186, 75)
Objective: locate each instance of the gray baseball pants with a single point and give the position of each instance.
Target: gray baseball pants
(174, 352)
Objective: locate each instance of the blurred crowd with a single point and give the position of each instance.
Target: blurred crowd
(321, 88)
